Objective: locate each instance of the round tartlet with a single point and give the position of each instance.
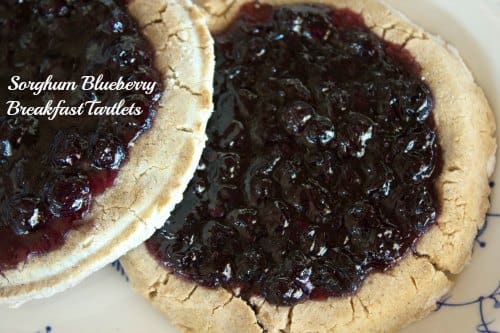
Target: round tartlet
(386, 301)
(158, 167)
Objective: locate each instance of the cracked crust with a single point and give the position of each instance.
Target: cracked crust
(164, 157)
(387, 301)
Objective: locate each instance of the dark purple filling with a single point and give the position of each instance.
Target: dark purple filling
(51, 170)
(321, 160)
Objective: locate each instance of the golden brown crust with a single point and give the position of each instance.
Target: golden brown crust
(159, 167)
(386, 302)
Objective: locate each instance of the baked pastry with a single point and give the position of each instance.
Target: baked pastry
(79, 191)
(344, 179)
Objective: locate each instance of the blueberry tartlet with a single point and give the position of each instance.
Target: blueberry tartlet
(343, 182)
(77, 192)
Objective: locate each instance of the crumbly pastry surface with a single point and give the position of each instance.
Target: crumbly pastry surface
(163, 157)
(386, 301)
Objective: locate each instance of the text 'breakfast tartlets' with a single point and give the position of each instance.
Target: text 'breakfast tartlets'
(343, 183)
(79, 190)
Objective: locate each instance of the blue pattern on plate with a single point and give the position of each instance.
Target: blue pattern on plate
(481, 231)
(119, 268)
(492, 299)
(48, 329)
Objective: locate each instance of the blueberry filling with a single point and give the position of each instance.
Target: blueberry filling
(321, 160)
(52, 169)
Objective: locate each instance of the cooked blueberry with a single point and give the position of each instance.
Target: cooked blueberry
(294, 88)
(256, 49)
(52, 8)
(411, 204)
(67, 196)
(127, 51)
(20, 130)
(259, 189)
(227, 167)
(419, 103)
(355, 136)
(320, 131)
(108, 153)
(296, 115)
(245, 221)
(282, 289)
(67, 148)
(287, 172)
(233, 136)
(379, 178)
(315, 241)
(416, 158)
(276, 218)
(337, 274)
(5, 148)
(119, 24)
(248, 265)
(22, 213)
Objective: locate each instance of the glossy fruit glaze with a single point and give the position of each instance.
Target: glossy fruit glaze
(321, 160)
(52, 169)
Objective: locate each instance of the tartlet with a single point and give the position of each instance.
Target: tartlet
(387, 300)
(163, 157)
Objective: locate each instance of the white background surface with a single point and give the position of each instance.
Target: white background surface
(105, 303)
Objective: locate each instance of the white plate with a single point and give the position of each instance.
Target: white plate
(105, 303)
